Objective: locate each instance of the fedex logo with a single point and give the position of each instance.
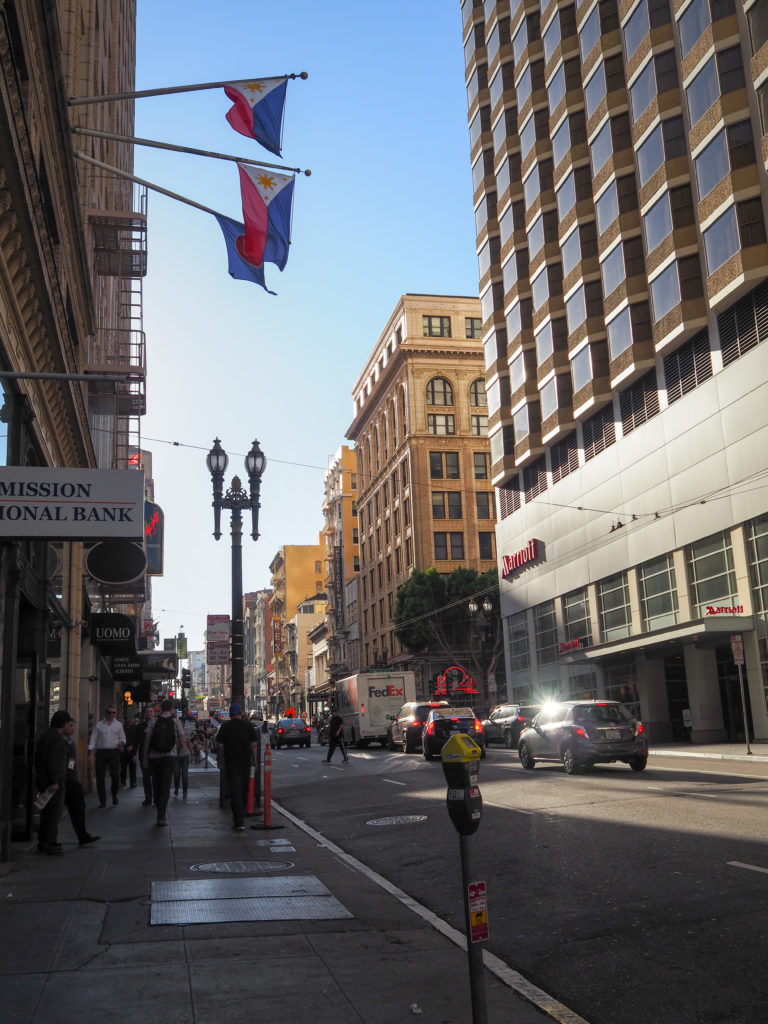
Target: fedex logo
(387, 691)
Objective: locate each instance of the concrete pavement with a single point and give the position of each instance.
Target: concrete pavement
(79, 942)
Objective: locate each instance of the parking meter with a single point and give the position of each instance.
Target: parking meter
(461, 765)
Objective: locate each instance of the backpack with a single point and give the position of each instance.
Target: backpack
(163, 737)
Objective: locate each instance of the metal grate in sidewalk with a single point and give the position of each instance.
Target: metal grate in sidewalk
(221, 900)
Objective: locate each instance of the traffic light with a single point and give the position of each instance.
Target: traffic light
(128, 697)
(186, 678)
(170, 693)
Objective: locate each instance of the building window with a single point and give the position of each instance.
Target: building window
(639, 402)
(680, 281)
(485, 544)
(581, 369)
(658, 593)
(576, 620)
(408, 551)
(564, 457)
(535, 479)
(757, 16)
(615, 615)
(438, 504)
(697, 17)
(473, 326)
(667, 141)
(548, 398)
(688, 367)
(439, 392)
(731, 148)
(711, 576)
(477, 395)
(517, 638)
(658, 76)
(479, 426)
(744, 325)
(485, 504)
(599, 433)
(436, 326)
(509, 499)
(545, 631)
(740, 227)
(723, 73)
(480, 465)
(657, 223)
(440, 423)
(521, 424)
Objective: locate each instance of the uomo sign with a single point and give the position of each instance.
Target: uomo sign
(71, 504)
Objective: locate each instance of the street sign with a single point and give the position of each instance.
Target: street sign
(737, 648)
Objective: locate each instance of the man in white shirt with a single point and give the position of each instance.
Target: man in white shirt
(106, 743)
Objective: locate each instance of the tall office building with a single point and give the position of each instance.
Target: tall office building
(619, 165)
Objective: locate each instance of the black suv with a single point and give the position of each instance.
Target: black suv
(505, 723)
(405, 732)
(444, 722)
(582, 733)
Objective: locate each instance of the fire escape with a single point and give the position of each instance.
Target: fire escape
(119, 347)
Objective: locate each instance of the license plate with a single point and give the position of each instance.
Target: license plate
(612, 734)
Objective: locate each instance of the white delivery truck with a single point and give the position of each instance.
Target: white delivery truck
(368, 703)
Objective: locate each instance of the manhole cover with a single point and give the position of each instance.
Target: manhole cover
(238, 867)
(400, 819)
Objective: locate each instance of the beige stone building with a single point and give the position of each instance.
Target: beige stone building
(423, 461)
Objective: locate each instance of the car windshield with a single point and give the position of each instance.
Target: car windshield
(601, 714)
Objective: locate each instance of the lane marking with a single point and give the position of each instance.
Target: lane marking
(747, 867)
(394, 782)
(506, 974)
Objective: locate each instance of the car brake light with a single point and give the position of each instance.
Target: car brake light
(417, 724)
(638, 728)
(520, 718)
(281, 730)
(478, 726)
(579, 731)
(431, 728)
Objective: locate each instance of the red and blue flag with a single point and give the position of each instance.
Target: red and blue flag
(258, 110)
(239, 267)
(267, 206)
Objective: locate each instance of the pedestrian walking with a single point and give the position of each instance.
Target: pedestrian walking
(237, 746)
(162, 741)
(133, 734)
(74, 794)
(146, 774)
(105, 746)
(336, 737)
(50, 769)
(181, 768)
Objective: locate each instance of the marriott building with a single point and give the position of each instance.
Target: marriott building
(619, 167)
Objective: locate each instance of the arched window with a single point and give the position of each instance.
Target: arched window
(439, 392)
(477, 395)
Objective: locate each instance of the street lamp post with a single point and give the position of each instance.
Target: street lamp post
(236, 499)
(486, 608)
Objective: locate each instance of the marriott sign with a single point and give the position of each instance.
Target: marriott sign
(510, 563)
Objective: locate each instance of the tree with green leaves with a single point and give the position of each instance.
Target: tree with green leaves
(432, 614)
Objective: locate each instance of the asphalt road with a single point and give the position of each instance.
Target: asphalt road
(627, 896)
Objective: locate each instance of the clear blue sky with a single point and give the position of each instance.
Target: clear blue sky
(382, 124)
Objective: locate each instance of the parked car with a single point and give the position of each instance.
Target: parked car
(583, 733)
(289, 732)
(442, 722)
(405, 732)
(505, 723)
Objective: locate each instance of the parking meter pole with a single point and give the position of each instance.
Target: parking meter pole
(474, 949)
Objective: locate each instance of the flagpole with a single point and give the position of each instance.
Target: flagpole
(147, 184)
(75, 101)
(184, 149)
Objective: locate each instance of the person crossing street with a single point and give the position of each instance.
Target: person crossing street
(336, 737)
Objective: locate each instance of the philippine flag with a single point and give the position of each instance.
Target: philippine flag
(258, 110)
(238, 267)
(267, 203)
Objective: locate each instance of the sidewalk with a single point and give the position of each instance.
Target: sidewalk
(715, 751)
(279, 924)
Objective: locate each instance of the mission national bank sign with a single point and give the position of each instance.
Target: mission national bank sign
(71, 504)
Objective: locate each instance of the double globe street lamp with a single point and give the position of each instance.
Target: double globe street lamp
(236, 499)
(486, 637)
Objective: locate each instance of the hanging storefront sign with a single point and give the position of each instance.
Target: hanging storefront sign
(113, 633)
(217, 640)
(71, 504)
(115, 562)
(154, 535)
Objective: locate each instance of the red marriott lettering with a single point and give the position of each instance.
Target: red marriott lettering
(511, 562)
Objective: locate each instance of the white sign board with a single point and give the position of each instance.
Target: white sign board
(737, 648)
(71, 504)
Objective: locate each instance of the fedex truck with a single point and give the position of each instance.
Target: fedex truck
(368, 703)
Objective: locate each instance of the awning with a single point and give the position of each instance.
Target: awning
(710, 631)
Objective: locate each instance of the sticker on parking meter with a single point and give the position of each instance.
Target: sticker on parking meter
(478, 912)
